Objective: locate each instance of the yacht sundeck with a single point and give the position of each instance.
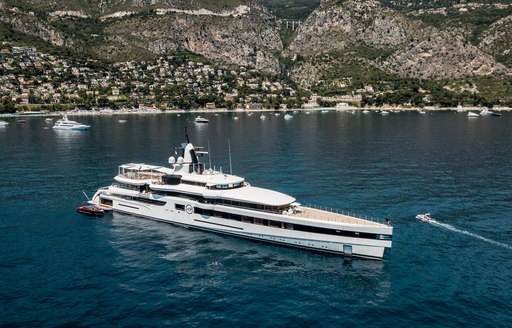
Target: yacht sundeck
(65, 124)
(188, 194)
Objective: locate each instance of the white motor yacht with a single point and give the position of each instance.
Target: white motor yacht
(187, 194)
(65, 124)
(201, 119)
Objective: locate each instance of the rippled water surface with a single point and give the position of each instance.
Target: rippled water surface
(59, 268)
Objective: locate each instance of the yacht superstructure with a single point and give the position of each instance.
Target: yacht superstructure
(188, 194)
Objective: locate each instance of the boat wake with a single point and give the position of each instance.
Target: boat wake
(467, 233)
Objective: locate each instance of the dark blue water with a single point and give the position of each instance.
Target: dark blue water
(59, 268)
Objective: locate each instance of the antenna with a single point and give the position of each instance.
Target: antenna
(85, 195)
(230, 166)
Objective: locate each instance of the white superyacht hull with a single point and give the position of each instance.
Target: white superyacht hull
(261, 226)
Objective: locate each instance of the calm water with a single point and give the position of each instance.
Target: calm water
(59, 268)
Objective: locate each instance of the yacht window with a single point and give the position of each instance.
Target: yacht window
(180, 207)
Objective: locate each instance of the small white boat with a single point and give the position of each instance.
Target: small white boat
(122, 121)
(200, 119)
(366, 111)
(277, 114)
(235, 118)
(4, 123)
(424, 217)
(65, 124)
(49, 120)
(486, 112)
(384, 112)
(263, 116)
(288, 117)
(421, 111)
(472, 114)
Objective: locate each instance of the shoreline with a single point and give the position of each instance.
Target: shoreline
(237, 111)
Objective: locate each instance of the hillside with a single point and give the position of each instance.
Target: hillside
(226, 31)
(339, 46)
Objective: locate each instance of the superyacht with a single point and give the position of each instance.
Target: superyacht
(185, 193)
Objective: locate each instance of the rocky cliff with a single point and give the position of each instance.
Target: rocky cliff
(232, 32)
(407, 47)
(365, 34)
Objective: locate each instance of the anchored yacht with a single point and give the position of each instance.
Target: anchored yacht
(185, 193)
(67, 124)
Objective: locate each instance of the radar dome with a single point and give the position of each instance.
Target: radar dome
(180, 160)
(172, 160)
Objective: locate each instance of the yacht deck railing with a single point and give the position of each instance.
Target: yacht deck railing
(333, 214)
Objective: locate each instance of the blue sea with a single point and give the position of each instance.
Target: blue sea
(59, 268)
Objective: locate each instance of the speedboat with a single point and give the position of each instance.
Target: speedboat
(49, 120)
(65, 124)
(263, 116)
(486, 112)
(424, 217)
(288, 117)
(188, 194)
(200, 119)
(472, 114)
(4, 123)
(90, 210)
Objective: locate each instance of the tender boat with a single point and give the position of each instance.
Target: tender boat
(288, 116)
(4, 123)
(190, 195)
(424, 217)
(263, 116)
(49, 120)
(122, 121)
(200, 119)
(472, 114)
(90, 210)
(65, 124)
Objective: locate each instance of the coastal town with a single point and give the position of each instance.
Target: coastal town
(31, 80)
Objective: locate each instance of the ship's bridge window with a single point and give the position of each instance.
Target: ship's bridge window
(228, 185)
